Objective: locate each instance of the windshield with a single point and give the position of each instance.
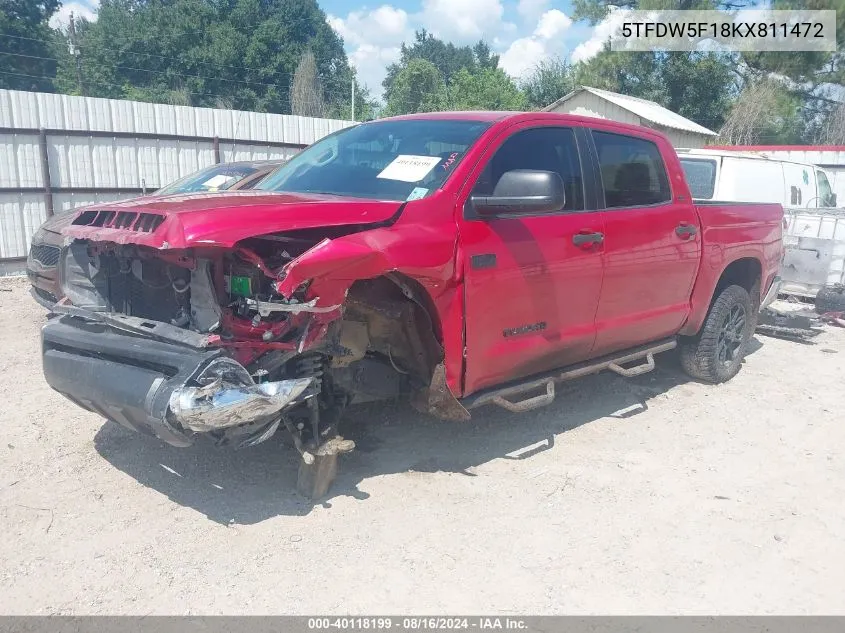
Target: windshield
(383, 160)
(701, 177)
(215, 178)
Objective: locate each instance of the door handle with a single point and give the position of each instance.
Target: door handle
(685, 231)
(587, 239)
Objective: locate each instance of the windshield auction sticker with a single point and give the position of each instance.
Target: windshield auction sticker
(745, 30)
(408, 168)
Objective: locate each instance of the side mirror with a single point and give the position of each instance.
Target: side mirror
(523, 191)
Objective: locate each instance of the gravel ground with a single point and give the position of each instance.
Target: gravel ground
(652, 495)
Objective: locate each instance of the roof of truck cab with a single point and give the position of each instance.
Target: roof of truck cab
(515, 117)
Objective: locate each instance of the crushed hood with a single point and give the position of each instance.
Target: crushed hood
(219, 219)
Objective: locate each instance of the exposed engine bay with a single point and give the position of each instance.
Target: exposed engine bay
(247, 358)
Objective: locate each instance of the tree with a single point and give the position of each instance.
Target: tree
(486, 89)
(699, 86)
(306, 95)
(418, 87)
(549, 81)
(817, 77)
(695, 85)
(595, 11)
(832, 130)
(243, 51)
(764, 112)
(446, 57)
(28, 46)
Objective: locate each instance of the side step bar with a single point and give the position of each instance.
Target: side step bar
(614, 362)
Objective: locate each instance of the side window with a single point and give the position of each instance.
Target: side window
(632, 171)
(825, 192)
(545, 149)
(701, 177)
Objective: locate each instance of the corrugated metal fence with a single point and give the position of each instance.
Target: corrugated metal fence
(58, 152)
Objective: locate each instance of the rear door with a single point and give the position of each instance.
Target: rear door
(652, 244)
(532, 282)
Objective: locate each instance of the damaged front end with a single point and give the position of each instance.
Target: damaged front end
(278, 331)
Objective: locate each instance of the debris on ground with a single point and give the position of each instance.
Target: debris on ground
(790, 319)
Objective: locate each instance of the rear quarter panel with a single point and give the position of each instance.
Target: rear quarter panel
(730, 232)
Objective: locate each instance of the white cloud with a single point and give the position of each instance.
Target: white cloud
(522, 55)
(601, 34)
(462, 21)
(379, 26)
(373, 40)
(371, 64)
(552, 23)
(526, 52)
(61, 18)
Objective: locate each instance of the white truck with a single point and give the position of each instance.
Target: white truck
(726, 175)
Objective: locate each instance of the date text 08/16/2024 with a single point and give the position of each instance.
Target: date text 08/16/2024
(416, 624)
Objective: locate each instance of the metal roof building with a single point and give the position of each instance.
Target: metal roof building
(603, 104)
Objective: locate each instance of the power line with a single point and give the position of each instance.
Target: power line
(159, 72)
(280, 74)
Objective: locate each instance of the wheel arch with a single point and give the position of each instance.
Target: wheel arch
(745, 272)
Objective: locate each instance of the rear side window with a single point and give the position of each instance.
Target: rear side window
(632, 171)
(701, 177)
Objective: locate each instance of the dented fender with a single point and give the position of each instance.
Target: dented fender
(332, 266)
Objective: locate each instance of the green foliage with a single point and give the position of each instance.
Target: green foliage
(813, 70)
(433, 75)
(698, 86)
(549, 81)
(29, 47)
(485, 89)
(704, 88)
(244, 53)
(417, 87)
(240, 52)
(446, 57)
(594, 11)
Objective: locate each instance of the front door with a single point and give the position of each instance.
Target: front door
(652, 245)
(532, 282)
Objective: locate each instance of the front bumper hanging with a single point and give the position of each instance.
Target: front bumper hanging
(171, 390)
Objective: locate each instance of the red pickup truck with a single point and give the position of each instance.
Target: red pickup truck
(459, 259)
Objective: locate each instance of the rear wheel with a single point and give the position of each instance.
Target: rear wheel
(715, 354)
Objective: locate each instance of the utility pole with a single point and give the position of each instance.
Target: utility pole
(353, 98)
(74, 51)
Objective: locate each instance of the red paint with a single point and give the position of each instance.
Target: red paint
(649, 270)
(224, 219)
(643, 283)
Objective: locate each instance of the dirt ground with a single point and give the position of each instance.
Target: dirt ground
(652, 495)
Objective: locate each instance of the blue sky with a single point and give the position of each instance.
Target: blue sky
(522, 32)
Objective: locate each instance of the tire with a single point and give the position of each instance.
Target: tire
(715, 354)
(831, 299)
